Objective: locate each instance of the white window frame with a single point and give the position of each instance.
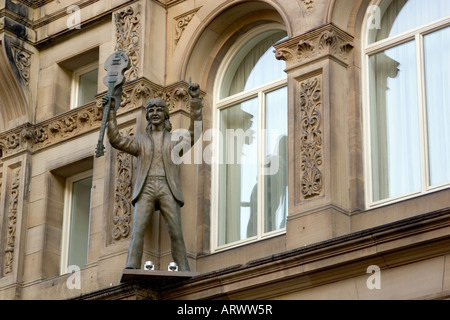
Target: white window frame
(416, 34)
(223, 103)
(76, 82)
(65, 241)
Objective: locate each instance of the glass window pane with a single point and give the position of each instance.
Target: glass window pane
(399, 16)
(437, 67)
(276, 163)
(395, 148)
(254, 65)
(238, 172)
(79, 224)
(87, 87)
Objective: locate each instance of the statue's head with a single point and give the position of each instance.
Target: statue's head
(158, 102)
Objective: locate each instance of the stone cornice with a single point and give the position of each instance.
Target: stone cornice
(327, 41)
(398, 243)
(388, 246)
(35, 3)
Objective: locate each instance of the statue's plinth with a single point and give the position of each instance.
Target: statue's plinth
(156, 277)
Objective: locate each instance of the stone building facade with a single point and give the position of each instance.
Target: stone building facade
(339, 236)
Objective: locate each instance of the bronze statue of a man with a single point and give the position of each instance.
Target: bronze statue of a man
(157, 185)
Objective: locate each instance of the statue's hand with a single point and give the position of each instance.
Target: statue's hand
(107, 100)
(194, 89)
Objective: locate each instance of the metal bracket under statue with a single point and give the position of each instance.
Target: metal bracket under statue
(156, 277)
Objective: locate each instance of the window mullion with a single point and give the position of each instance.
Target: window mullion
(422, 112)
(261, 149)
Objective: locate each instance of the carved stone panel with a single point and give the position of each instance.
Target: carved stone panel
(309, 139)
(123, 210)
(128, 37)
(11, 221)
(181, 22)
(22, 60)
(1, 185)
(2, 207)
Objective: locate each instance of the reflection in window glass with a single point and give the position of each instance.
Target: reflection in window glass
(79, 222)
(252, 173)
(87, 87)
(254, 64)
(275, 177)
(404, 15)
(437, 67)
(238, 171)
(394, 122)
(409, 86)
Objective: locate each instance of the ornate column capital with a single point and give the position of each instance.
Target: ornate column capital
(327, 41)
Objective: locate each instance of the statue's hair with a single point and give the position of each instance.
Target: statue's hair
(160, 103)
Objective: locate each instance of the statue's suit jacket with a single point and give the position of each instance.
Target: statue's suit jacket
(142, 147)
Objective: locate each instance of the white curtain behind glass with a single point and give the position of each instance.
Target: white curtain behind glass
(276, 179)
(405, 15)
(395, 121)
(238, 171)
(437, 70)
(238, 182)
(87, 87)
(79, 222)
(258, 67)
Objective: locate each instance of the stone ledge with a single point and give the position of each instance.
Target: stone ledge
(389, 246)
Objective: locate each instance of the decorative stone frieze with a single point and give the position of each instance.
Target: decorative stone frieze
(137, 93)
(177, 97)
(128, 37)
(16, 140)
(326, 41)
(81, 120)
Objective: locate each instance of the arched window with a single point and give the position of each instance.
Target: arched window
(407, 90)
(250, 174)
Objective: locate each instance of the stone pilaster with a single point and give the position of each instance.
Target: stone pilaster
(317, 67)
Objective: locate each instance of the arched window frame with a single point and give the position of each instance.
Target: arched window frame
(417, 35)
(223, 103)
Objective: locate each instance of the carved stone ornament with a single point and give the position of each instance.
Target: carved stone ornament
(181, 22)
(322, 42)
(128, 37)
(22, 59)
(122, 193)
(11, 222)
(85, 119)
(309, 5)
(310, 137)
